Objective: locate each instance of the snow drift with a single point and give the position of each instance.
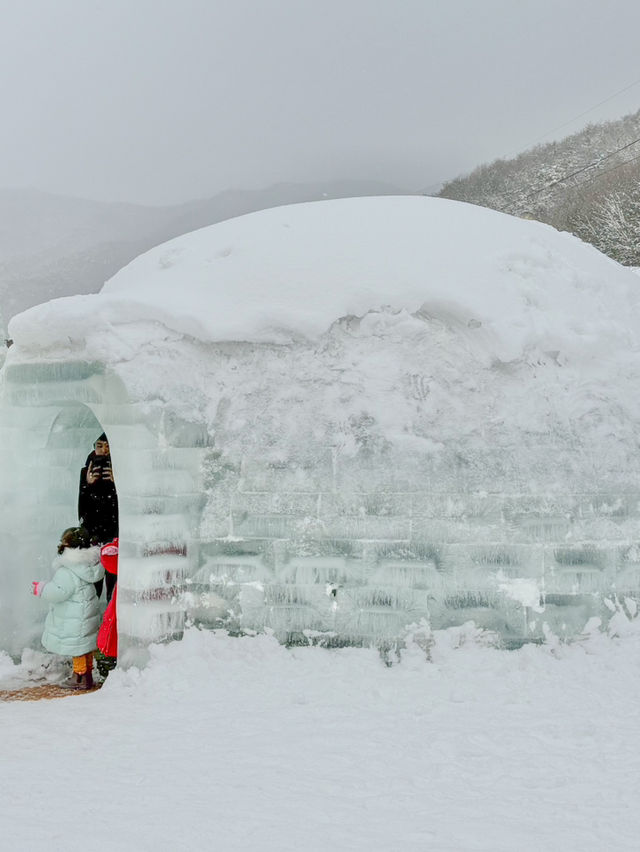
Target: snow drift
(278, 274)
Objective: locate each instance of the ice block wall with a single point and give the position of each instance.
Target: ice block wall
(286, 550)
(334, 491)
(361, 486)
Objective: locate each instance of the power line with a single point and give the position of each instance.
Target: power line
(591, 165)
(608, 171)
(582, 114)
(558, 127)
(551, 186)
(582, 183)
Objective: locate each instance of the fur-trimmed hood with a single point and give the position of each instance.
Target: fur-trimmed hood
(84, 562)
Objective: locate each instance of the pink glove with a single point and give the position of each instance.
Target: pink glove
(37, 587)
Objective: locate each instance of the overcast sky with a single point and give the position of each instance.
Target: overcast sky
(161, 101)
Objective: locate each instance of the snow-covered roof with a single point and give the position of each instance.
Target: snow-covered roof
(292, 271)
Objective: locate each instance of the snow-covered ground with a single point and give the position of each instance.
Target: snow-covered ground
(242, 744)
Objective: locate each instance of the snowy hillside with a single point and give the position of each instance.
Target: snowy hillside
(586, 183)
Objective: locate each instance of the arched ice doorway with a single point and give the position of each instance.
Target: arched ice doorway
(42, 452)
(50, 415)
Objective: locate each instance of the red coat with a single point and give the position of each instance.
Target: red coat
(109, 556)
(107, 641)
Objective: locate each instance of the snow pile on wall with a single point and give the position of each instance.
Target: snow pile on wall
(499, 350)
(279, 274)
(414, 322)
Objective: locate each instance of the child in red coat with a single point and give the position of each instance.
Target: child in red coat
(107, 641)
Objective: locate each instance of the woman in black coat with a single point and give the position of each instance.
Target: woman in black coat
(98, 499)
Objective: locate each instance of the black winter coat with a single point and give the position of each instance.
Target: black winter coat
(98, 503)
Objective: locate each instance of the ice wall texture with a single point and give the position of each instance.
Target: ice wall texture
(388, 475)
(450, 434)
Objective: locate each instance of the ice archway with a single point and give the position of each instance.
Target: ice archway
(49, 419)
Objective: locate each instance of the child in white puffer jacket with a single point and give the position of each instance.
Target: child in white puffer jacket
(72, 624)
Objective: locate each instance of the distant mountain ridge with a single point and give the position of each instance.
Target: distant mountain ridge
(588, 184)
(53, 245)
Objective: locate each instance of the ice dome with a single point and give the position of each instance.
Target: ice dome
(337, 418)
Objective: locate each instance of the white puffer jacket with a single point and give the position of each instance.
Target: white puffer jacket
(72, 624)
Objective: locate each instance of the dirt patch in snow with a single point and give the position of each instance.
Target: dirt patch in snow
(39, 693)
